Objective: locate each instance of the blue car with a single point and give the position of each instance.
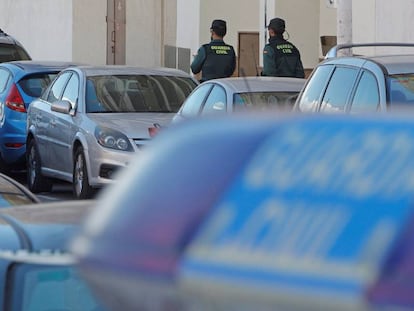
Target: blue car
(36, 270)
(298, 213)
(20, 83)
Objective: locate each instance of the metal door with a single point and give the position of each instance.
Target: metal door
(116, 24)
(249, 54)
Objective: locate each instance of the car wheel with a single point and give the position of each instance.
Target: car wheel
(36, 182)
(81, 187)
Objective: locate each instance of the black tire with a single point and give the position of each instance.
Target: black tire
(80, 182)
(36, 182)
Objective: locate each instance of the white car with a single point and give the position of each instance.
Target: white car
(91, 120)
(240, 94)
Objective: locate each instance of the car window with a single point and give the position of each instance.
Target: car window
(338, 90)
(366, 97)
(264, 100)
(4, 78)
(309, 99)
(216, 101)
(72, 90)
(57, 87)
(34, 85)
(192, 105)
(48, 287)
(139, 93)
(10, 52)
(401, 89)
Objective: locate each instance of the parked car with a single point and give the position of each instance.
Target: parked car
(20, 83)
(303, 212)
(37, 271)
(11, 49)
(359, 83)
(92, 120)
(240, 94)
(13, 193)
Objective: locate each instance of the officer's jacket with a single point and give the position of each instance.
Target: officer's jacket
(282, 59)
(215, 60)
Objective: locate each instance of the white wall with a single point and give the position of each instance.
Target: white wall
(89, 31)
(44, 27)
(143, 32)
(302, 24)
(240, 15)
(188, 21)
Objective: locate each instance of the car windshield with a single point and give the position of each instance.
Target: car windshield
(264, 100)
(34, 85)
(401, 89)
(137, 93)
(9, 52)
(48, 287)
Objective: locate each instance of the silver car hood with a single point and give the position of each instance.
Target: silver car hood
(134, 125)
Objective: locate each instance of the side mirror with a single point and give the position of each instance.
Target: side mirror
(62, 106)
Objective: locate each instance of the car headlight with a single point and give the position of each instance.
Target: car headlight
(110, 138)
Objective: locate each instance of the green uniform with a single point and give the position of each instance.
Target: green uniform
(282, 59)
(215, 60)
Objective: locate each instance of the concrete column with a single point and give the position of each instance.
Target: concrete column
(344, 23)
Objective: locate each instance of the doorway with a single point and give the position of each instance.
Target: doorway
(248, 64)
(116, 32)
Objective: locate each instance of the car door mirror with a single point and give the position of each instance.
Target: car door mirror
(62, 106)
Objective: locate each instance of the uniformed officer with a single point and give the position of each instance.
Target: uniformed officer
(215, 59)
(280, 57)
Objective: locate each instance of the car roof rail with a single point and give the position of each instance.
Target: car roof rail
(24, 239)
(333, 52)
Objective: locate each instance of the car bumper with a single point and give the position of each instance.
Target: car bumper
(105, 164)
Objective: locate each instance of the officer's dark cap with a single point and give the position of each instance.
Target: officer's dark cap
(277, 24)
(219, 27)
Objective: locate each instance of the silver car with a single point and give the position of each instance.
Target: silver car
(240, 94)
(91, 120)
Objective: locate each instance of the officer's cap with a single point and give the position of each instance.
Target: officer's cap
(277, 24)
(218, 24)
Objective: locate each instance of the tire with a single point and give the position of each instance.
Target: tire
(36, 182)
(80, 182)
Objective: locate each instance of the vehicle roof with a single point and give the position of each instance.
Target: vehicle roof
(48, 225)
(395, 64)
(63, 212)
(30, 66)
(263, 84)
(12, 192)
(391, 62)
(90, 70)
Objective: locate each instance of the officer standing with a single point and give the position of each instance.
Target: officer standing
(280, 57)
(215, 59)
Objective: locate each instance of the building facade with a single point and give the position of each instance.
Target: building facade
(169, 32)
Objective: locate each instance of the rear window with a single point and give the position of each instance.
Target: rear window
(34, 85)
(264, 100)
(401, 89)
(137, 93)
(10, 52)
